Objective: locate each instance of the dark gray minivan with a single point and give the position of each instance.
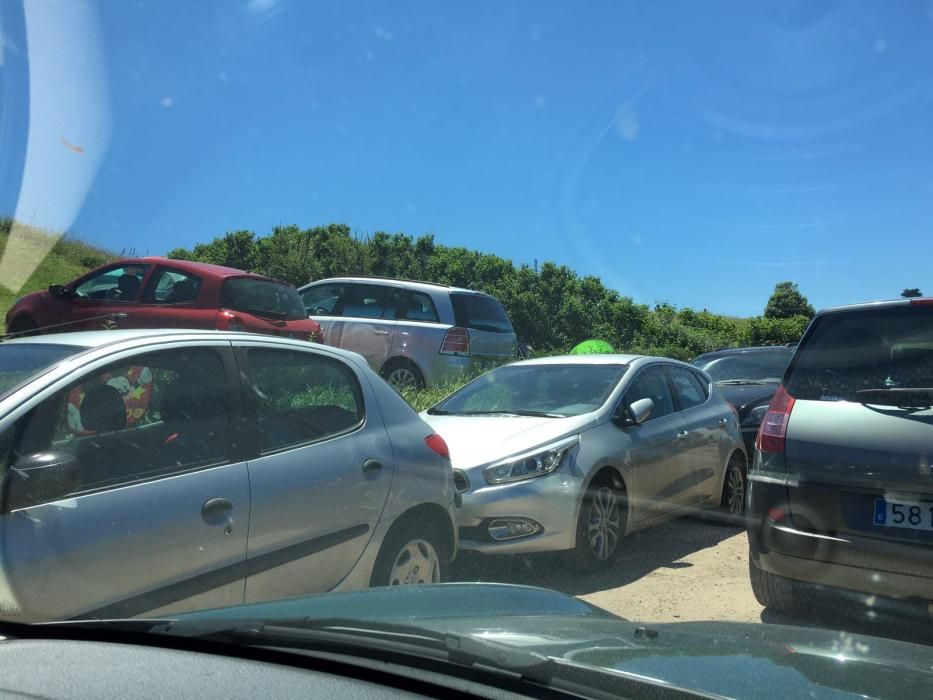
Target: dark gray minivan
(841, 488)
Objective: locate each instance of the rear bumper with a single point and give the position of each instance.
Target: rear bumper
(863, 564)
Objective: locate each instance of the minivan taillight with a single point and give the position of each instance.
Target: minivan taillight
(773, 427)
(456, 342)
(436, 443)
(229, 321)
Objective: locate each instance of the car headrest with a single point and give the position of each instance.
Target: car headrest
(103, 410)
(128, 284)
(182, 402)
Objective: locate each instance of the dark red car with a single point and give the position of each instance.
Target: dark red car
(162, 293)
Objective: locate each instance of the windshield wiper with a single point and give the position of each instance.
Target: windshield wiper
(743, 382)
(902, 397)
(533, 414)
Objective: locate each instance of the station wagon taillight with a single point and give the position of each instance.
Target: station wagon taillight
(773, 427)
(456, 342)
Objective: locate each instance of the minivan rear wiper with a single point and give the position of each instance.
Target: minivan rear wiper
(913, 397)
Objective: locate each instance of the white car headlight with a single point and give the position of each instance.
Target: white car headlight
(540, 461)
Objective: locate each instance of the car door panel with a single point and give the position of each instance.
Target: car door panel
(137, 517)
(315, 507)
(699, 424)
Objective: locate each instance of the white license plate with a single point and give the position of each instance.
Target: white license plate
(912, 515)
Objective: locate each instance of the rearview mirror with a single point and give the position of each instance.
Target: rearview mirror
(41, 477)
(637, 413)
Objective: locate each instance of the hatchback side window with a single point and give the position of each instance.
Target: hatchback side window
(417, 306)
(116, 284)
(158, 414)
(173, 287)
(688, 390)
(652, 384)
(302, 397)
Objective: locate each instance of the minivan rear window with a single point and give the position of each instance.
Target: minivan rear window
(262, 298)
(877, 355)
(480, 312)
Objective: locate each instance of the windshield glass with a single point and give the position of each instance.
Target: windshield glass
(262, 298)
(624, 301)
(564, 390)
(19, 361)
(755, 367)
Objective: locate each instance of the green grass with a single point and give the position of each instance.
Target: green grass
(68, 259)
(420, 399)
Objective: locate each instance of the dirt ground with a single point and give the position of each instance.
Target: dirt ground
(691, 569)
(684, 570)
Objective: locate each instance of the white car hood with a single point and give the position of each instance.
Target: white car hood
(479, 440)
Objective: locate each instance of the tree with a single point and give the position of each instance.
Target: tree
(787, 301)
(911, 292)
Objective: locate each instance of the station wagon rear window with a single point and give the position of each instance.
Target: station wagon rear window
(868, 356)
(480, 312)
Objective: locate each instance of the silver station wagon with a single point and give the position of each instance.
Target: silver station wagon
(414, 334)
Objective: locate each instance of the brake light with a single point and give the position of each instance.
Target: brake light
(773, 427)
(456, 342)
(317, 335)
(229, 321)
(777, 514)
(926, 301)
(436, 443)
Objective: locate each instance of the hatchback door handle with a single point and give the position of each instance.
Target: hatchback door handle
(216, 511)
(378, 332)
(371, 466)
(682, 434)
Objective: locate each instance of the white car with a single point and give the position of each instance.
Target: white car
(573, 453)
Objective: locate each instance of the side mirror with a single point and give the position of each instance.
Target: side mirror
(636, 413)
(41, 477)
(60, 291)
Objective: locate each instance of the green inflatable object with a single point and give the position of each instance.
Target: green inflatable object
(592, 347)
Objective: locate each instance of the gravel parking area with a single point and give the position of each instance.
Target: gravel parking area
(687, 569)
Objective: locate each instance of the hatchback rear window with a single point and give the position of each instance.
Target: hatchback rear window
(262, 298)
(879, 355)
(480, 312)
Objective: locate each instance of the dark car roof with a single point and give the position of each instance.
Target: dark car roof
(206, 269)
(786, 349)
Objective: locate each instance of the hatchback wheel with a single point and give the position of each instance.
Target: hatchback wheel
(772, 591)
(601, 526)
(403, 375)
(734, 487)
(409, 557)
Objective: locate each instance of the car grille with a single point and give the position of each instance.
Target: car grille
(461, 481)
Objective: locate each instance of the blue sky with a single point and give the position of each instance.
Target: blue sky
(691, 152)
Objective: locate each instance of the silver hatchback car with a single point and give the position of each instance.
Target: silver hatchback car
(415, 334)
(193, 469)
(575, 452)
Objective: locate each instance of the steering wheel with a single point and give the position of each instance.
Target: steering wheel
(114, 293)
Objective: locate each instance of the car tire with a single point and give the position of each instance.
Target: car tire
(23, 327)
(409, 555)
(735, 488)
(601, 524)
(772, 591)
(402, 374)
